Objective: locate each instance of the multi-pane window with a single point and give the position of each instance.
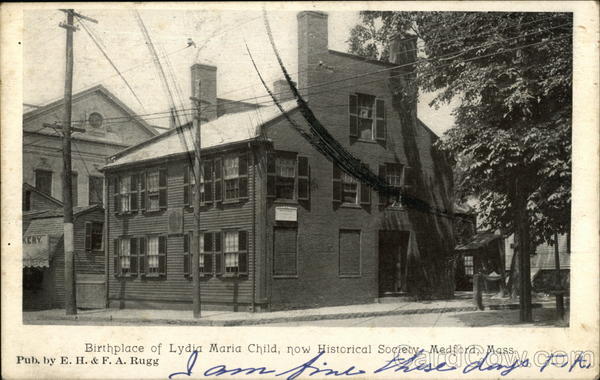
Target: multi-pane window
(395, 175)
(235, 253)
(124, 195)
(43, 181)
(93, 236)
(367, 117)
(124, 256)
(231, 167)
(288, 176)
(152, 190)
(96, 189)
(349, 189)
(153, 252)
(468, 262)
(231, 251)
(209, 245)
(205, 187)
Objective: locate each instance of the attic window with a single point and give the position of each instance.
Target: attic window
(95, 120)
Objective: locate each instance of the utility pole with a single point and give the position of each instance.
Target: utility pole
(70, 290)
(197, 174)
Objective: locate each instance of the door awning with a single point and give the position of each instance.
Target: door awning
(480, 240)
(38, 250)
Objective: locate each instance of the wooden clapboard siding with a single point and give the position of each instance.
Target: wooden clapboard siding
(57, 271)
(175, 287)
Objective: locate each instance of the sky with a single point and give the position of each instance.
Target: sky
(220, 38)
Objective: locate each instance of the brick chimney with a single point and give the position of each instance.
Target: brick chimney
(403, 52)
(207, 75)
(282, 91)
(312, 45)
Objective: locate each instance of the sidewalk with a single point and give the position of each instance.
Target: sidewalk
(461, 302)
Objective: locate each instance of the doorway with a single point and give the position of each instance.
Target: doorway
(393, 262)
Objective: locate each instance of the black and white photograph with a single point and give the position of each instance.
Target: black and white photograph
(304, 167)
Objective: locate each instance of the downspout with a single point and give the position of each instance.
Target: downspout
(253, 227)
(105, 238)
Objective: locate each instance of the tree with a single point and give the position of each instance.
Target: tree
(512, 73)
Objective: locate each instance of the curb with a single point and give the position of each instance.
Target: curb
(263, 321)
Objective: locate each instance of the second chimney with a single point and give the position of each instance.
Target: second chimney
(207, 75)
(403, 52)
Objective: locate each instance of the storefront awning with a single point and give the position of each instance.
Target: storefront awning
(480, 240)
(36, 251)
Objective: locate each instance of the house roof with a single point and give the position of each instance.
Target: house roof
(28, 187)
(480, 240)
(98, 88)
(47, 226)
(227, 129)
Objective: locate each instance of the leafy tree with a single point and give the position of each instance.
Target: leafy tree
(512, 74)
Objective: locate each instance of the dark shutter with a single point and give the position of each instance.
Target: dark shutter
(365, 192)
(142, 258)
(133, 190)
(303, 179)
(218, 196)
(116, 246)
(218, 253)
(186, 185)
(208, 181)
(143, 191)
(162, 255)
(409, 178)
(243, 252)
(162, 188)
(380, 128)
(117, 196)
(337, 184)
(383, 197)
(88, 236)
(208, 260)
(243, 175)
(353, 115)
(186, 254)
(271, 176)
(133, 255)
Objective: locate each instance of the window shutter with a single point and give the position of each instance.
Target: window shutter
(143, 191)
(218, 253)
(133, 190)
(186, 254)
(117, 267)
(337, 184)
(408, 178)
(208, 266)
(353, 115)
(208, 181)
(162, 188)
(380, 127)
(116, 194)
(243, 252)
(271, 176)
(383, 198)
(88, 236)
(365, 192)
(303, 179)
(142, 258)
(133, 255)
(243, 175)
(162, 255)
(186, 185)
(218, 196)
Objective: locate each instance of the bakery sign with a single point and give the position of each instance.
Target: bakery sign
(286, 214)
(36, 251)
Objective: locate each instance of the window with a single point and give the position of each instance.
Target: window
(93, 236)
(123, 196)
(43, 181)
(349, 254)
(347, 189)
(208, 248)
(96, 190)
(285, 172)
(95, 120)
(153, 251)
(27, 200)
(155, 259)
(189, 184)
(128, 253)
(235, 253)
(152, 191)
(395, 176)
(468, 261)
(367, 117)
(235, 177)
(285, 251)
(74, 197)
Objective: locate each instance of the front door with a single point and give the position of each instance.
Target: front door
(393, 260)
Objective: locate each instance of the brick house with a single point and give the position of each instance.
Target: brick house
(282, 226)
